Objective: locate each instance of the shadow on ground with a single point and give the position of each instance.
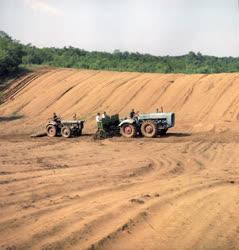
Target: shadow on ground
(10, 118)
(177, 135)
(87, 135)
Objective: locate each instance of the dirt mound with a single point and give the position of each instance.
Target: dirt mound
(201, 102)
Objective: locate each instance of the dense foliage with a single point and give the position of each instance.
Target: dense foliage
(125, 61)
(13, 53)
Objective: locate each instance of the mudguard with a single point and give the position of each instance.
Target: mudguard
(51, 123)
(127, 121)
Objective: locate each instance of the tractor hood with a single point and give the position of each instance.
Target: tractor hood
(169, 117)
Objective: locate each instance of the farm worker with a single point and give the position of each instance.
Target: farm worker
(104, 115)
(55, 118)
(132, 114)
(97, 118)
(157, 110)
(74, 117)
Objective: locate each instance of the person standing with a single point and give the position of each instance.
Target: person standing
(104, 115)
(97, 118)
(98, 121)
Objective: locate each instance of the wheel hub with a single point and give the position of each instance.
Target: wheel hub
(51, 131)
(149, 129)
(128, 130)
(66, 132)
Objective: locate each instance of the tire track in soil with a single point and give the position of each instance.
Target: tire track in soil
(126, 195)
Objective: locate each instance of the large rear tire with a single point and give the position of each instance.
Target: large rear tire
(149, 129)
(66, 132)
(128, 130)
(51, 131)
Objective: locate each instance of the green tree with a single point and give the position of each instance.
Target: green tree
(10, 54)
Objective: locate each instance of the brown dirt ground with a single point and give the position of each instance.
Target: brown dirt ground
(175, 192)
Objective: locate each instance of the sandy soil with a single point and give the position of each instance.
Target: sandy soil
(180, 191)
(176, 192)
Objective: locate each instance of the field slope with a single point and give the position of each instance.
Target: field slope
(200, 101)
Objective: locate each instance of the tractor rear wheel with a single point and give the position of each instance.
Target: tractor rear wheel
(51, 131)
(66, 132)
(128, 130)
(148, 129)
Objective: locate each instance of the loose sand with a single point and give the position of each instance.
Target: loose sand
(176, 192)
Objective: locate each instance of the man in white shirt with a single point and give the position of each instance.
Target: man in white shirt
(97, 118)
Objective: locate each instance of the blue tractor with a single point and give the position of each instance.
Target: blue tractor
(147, 125)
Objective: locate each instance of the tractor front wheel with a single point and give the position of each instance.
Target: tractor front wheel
(51, 131)
(128, 130)
(149, 129)
(66, 132)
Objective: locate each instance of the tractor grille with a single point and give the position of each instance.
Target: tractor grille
(173, 119)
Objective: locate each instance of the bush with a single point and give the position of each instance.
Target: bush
(10, 55)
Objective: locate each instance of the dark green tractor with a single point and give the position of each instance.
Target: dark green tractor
(108, 127)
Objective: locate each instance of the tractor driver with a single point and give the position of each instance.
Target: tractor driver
(55, 118)
(132, 114)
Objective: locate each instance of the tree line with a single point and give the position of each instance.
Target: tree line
(13, 54)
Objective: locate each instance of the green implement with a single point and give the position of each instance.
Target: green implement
(108, 127)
